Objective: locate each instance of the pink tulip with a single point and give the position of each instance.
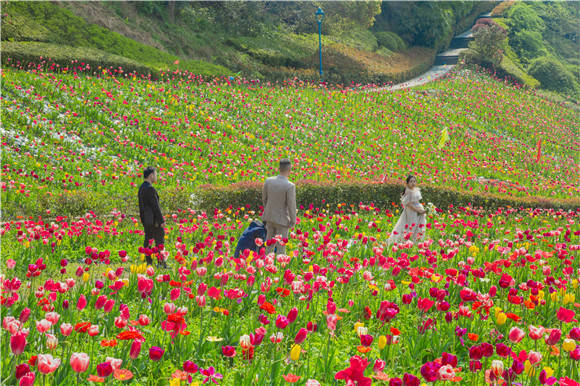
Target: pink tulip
(66, 329)
(534, 357)
(51, 341)
(24, 315)
(135, 349)
(144, 320)
(27, 379)
(47, 364)
(109, 304)
(536, 332)
(17, 343)
(115, 363)
(79, 362)
(93, 330)
(281, 322)
(43, 326)
(82, 303)
(52, 317)
(516, 335)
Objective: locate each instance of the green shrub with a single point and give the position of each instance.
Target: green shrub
(358, 38)
(552, 74)
(390, 41)
(382, 195)
(507, 68)
(528, 45)
(486, 47)
(523, 17)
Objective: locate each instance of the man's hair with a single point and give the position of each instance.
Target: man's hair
(148, 171)
(285, 164)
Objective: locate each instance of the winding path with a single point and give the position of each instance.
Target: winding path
(444, 62)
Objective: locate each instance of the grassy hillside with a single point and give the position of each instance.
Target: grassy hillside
(64, 134)
(266, 40)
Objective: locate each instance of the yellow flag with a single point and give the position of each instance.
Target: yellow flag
(444, 138)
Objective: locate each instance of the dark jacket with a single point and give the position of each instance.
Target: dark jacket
(149, 209)
(248, 238)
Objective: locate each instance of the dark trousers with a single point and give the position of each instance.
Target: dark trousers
(153, 233)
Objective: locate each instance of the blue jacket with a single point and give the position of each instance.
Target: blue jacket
(248, 238)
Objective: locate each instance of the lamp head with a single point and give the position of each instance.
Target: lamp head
(319, 15)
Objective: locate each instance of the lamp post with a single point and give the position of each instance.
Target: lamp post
(319, 16)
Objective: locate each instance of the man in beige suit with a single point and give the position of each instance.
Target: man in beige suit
(279, 198)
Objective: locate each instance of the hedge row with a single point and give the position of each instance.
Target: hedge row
(249, 195)
(382, 195)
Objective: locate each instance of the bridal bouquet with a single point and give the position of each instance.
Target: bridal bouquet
(431, 209)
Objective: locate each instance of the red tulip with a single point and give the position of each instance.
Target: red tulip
(565, 315)
(156, 353)
(104, 369)
(228, 351)
(554, 337)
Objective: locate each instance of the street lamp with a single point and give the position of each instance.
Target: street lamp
(319, 16)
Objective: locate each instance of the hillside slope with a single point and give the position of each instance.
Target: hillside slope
(67, 135)
(257, 40)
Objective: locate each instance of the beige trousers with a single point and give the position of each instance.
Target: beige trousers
(272, 230)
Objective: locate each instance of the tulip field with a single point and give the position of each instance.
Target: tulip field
(489, 297)
(65, 132)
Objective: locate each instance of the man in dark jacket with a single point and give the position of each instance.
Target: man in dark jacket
(150, 212)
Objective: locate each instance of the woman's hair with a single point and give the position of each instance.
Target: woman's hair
(406, 182)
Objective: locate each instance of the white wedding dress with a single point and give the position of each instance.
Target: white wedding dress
(411, 225)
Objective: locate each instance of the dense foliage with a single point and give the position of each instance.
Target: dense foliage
(542, 36)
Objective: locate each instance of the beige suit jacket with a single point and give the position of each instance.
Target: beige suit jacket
(279, 199)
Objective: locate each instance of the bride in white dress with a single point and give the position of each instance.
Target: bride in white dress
(411, 224)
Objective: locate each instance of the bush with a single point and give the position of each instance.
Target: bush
(382, 195)
(528, 45)
(509, 69)
(487, 46)
(552, 74)
(523, 17)
(358, 38)
(390, 41)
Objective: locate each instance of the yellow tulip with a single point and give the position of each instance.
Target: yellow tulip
(575, 283)
(295, 352)
(568, 298)
(85, 277)
(357, 325)
(501, 318)
(175, 382)
(382, 342)
(529, 369)
(568, 345)
(554, 296)
(549, 372)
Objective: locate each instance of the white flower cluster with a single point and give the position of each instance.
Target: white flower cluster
(431, 209)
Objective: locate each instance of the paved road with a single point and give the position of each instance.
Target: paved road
(434, 73)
